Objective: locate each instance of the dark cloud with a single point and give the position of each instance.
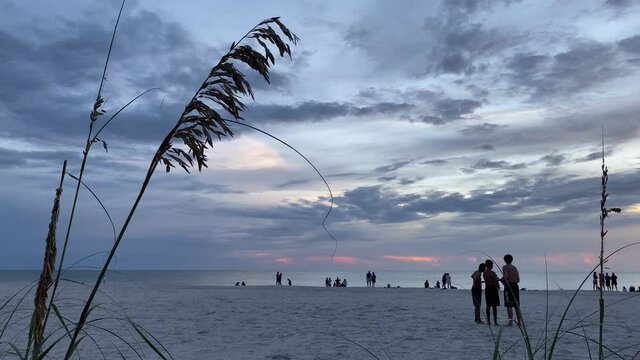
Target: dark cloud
(392, 167)
(553, 159)
(497, 165)
(292, 183)
(487, 147)
(314, 111)
(480, 129)
(447, 110)
(596, 155)
(409, 181)
(434, 162)
(630, 44)
(387, 178)
(619, 3)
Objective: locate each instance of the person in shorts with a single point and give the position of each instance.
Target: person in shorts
(491, 294)
(476, 291)
(511, 278)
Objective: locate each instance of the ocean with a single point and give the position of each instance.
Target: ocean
(393, 278)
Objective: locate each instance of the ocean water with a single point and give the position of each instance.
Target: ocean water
(394, 278)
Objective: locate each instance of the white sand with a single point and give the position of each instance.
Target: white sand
(268, 322)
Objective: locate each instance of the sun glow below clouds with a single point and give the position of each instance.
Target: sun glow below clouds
(426, 259)
(635, 208)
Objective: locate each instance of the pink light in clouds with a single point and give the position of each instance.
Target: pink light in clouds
(260, 254)
(284, 260)
(587, 259)
(427, 259)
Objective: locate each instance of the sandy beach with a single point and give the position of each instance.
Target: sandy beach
(269, 322)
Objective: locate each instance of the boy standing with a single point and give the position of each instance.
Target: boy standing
(476, 291)
(491, 293)
(512, 291)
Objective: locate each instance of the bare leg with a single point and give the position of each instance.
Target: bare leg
(489, 315)
(495, 315)
(510, 315)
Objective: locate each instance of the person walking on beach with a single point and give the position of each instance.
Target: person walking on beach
(614, 281)
(607, 281)
(373, 279)
(476, 291)
(369, 278)
(511, 278)
(491, 294)
(595, 281)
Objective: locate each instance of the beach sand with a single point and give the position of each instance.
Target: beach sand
(269, 322)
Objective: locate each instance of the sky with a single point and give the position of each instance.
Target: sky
(448, 132)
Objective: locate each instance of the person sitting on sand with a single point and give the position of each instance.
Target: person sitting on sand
(243, 284)
(337, 283)
(289, 281)
(511, 278)
(344, 282)
(491, 294)
(238, 283)
(437, 284)
(476, 291)
(426, 284)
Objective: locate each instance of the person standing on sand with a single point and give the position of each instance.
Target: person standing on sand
(369, 278)
(491, 294)
(614, 281)
(607, 281)
(595, 281)
(289, 281)
(511, 278)
(448, 277)
(444, 281)
(476, 291)
(373, 279)
(601, 281)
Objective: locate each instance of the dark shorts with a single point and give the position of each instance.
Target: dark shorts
(512, 295)
(476, 295)
(492, 296)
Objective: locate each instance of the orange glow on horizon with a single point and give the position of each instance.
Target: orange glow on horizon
(284, 260)
(427, 259)
(587, 259)
(259, 254)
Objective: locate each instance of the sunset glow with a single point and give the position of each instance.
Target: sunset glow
(419, 259)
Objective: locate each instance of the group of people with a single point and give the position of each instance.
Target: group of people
(446, 282)
(604, 281)
(371, 279)
(336, 283)
(279, 279)
(510, 279)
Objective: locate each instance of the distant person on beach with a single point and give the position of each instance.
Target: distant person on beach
(238, 283)
(614, 281)
(595, 281)
(607, 281)
(369, 278)
(278, 278)
(373, 279)
(289, 281)
(444, 281)
(448, 278)
(243, 284)
(601, 281)
(337, 282)
(491, 294)
(344, 282)
(426, 284)
(476, 291)
(511, 278)
(437, 284)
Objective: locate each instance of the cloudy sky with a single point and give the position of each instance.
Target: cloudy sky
(445, 129)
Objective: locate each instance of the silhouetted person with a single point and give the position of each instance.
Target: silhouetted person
(476, 291)
(614, 281)
(243, 284)
(607, 281)
(369, 278)
(238, 283)
(289, 281)
(344, 282)
(511, 278)
(448, 278)
(426, 284)
(437, 284)
(373, 279)
(601, 281)
(444, 280)
(491, 294)
(595, 281)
